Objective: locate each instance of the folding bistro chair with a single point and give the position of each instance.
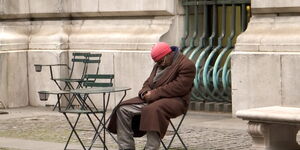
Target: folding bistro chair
(176, 133)
(89, 111)
(86, 59)
(92, 59)
(78, 59)
(106, 80)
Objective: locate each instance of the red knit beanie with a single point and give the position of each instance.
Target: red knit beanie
(159, 50)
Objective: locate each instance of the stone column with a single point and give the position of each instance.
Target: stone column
(266, 59)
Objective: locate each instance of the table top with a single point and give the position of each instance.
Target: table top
(55, 92)
(97, 90)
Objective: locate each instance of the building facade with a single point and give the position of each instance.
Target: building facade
(263, 53)
(49, 31)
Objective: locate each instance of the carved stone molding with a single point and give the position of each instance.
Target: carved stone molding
(84, 8)
(256, 129)
(14, 35)
(49, 35)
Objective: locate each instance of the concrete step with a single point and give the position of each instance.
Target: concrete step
(210, 106)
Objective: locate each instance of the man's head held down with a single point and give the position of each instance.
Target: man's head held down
(160, 53)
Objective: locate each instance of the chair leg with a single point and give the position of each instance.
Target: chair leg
(164, 145)
(56, 104)
(88, 97)
(96, 134)
(70, 101)
(175, 134)
(73, 131)
(64, 88)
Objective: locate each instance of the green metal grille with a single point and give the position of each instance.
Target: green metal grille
(221, 22)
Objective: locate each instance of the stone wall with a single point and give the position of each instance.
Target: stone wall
(48, 31)
(265, 63)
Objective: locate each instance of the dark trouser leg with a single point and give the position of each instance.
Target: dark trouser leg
(124, 131)
(153, 141)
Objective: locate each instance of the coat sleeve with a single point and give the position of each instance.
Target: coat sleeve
(146, 86)
(181, 85)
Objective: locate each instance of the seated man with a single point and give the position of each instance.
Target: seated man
(165, 94)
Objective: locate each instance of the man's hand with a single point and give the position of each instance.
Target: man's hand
(149, 96)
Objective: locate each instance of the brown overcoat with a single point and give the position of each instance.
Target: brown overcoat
(173, 93)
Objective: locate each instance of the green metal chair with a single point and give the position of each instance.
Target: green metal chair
(86, 59)
(78, 61)
(92, 80)
(89, 110)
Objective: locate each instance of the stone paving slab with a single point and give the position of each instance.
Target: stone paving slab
(40, 126)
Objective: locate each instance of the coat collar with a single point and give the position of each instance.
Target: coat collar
(171, 70)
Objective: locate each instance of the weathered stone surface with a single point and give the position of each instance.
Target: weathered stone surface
(84, 8)
(126, 34)
(272, 113)
(199, 106)
(14, 9)
(219, 107)
(209, 106)
(14, 35)
(13, 77)
(290, 83)
(256, 80)
(228, 107)
(136, 7)
(132, 68)
(264, 63)
(270, 33)
(274, 82)
(48, 8)
(272, 127)
(275, 6)
(50, 129)
(49, 35)
(173, 37)
(48, 26)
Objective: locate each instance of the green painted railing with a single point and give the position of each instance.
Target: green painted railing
(221, 21)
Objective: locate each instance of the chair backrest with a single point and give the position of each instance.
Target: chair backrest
(79, 57)
(87, 59)
(98, 80)
(92, 62)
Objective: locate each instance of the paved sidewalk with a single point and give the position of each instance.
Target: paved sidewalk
(18, 144)
(40, 128)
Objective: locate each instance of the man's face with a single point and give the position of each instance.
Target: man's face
(165, 61)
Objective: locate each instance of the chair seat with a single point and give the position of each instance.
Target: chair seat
(79, 111)
(68, 80)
